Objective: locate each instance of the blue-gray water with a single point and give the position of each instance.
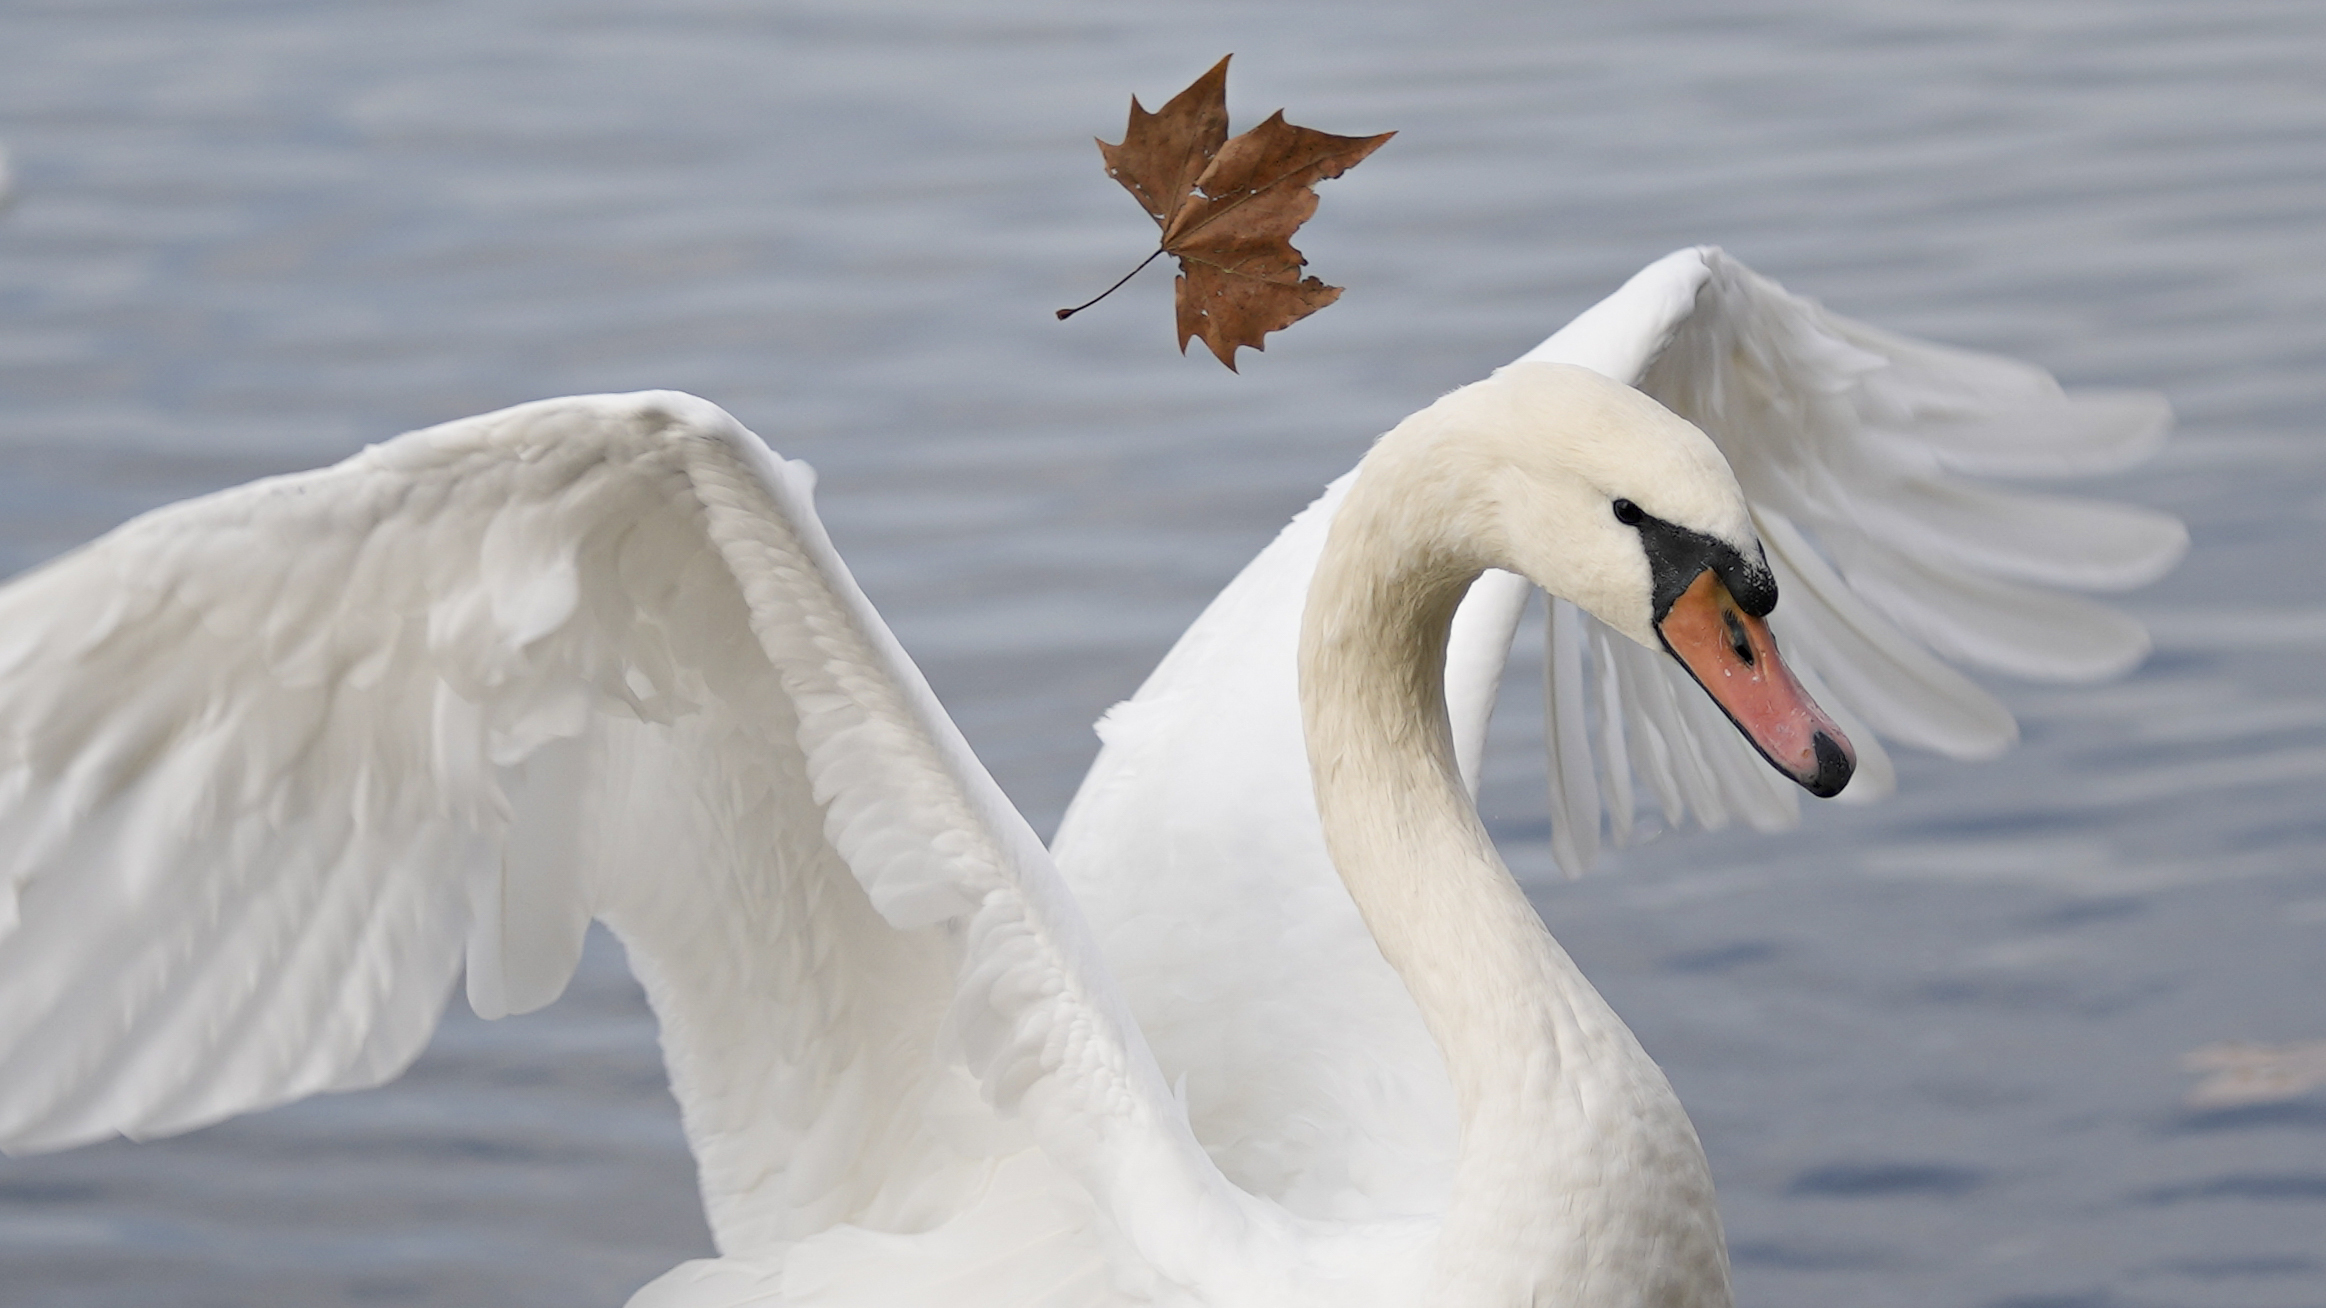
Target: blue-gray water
(1933, 1046)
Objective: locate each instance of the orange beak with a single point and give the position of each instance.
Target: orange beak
(1732, 655)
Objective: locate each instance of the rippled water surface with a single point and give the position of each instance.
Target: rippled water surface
(1934, 1046)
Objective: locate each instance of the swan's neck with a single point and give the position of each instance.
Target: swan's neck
(1580, 1180)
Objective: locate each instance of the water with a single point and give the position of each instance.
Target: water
(1933, 1046)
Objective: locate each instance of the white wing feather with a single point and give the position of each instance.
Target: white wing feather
(276, 763)
(1856, 449)
(1194, 844)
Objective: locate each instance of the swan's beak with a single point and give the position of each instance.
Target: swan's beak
(1732, 655)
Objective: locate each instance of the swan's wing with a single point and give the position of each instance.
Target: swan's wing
(1861, 453)
(275, 764)
(1194, 845)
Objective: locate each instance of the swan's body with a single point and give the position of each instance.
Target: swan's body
(276, 764)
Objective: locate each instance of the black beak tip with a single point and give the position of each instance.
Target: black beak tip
(1834, 766)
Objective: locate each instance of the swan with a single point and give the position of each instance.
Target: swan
(1271, 1025)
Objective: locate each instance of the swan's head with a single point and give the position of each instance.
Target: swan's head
(1603, 497)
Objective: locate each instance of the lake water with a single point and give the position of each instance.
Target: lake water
(1934, 1046)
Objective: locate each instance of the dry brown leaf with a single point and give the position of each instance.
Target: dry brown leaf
(1228, 208)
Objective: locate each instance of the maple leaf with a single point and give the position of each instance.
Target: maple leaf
(1228, 208)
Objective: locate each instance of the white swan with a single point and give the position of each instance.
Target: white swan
(275, 764)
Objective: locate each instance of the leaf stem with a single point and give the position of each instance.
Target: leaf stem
(1064, 314)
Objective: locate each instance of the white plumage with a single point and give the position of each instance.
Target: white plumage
(277, 764)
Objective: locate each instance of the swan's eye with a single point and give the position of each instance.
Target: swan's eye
(1738, 642)
(1628, 513)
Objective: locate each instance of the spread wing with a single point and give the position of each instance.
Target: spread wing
(275, 765)
(1194, 844)
(1861, 453)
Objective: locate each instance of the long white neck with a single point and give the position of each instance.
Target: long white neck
(1581, 1183)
